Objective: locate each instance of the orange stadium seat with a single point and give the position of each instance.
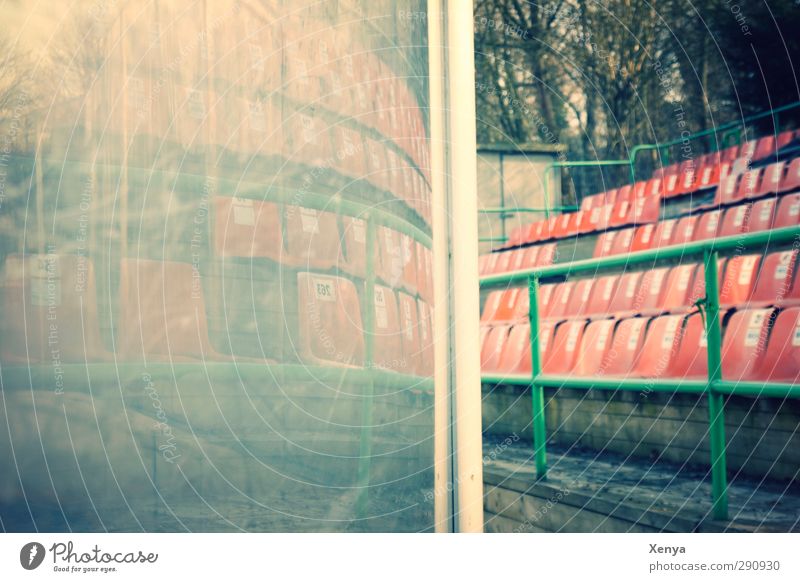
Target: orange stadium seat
(312, 238)
(781, 360)
(735, 220)
(660, 346)
(739, 279)
(788, 211)
(744, 343)
(691, 359)
(626, 346)
(594, 348)
(247, 228)
(564, 349)
(775, 280)
(762, 215)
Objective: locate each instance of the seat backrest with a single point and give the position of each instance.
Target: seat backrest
(353, 252)
(791, 178)
(651, 289)
(411, 362)
(739, 279)
(604, 244)
(744, 342)
(761, 215)
(781, 361)
(247, 228)
(708, 225)
(660, 346)
(622, 242)
(579, 298)
(312, 238)
(516, 356)
(765, 147)
(643, 237)
(728, 189)
(771, 179)
(788, 211)
(426, 345)
(546, 255)
(684, 231)
(678, 288)
(490, 306)
(775, 280)
(594, 348)
(564, 349)
(735, 220)
(509, 307)
(691, 359)
(560, 300)
(664, 233)
(49, 302)
(625, 346)
(625, 292)
(749, 184)
(492, 349)
(602, 292)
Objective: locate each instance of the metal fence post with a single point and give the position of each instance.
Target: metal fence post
(537, 391)
(716, 409)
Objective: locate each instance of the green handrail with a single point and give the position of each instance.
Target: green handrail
(713, 386)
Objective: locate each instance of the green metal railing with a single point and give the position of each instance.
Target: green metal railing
(714, 386)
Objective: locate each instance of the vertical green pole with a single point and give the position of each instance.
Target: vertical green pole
(546, 189)
(365, 445)
(716, 410)
(537, 392)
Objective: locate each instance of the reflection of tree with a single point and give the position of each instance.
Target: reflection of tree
(80, 53)
(16, 81)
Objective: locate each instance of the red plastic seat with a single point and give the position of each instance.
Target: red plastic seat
(516, 354)
(545, 297)
(644, 210)
(49, 304)
(660, 346)
(771, 179)
(762, 215)
(744, 343)
(163, 313)
(604, 244)
(749, 184)
(503, 263)
(619, 213)
(671, 186)
(625, 293)
(781, 360)
(622, 242)
(691, 358)
(643, 237)
(524, 258)
(512, 305)
(687, 181)
(739, 279)
(425, 273)
(492, 348)
(765, 147)
(600, 298)
(564, 349)
(654, 188)
(389, 264)
(312, 238)
(579, 298)
(708, 225)
(735, 221)
(728, 190)
(775, 280)
(625, 193)
(684, 231)
(791, 179)
(353, 252)
(626, 346)
(748, 149)
(594, 348)
(409, 254)
(788, 211)
(560, 300)
(589, 202)
(708, 176)
(247, 228)
(546, 255)
(678, 292)
(729, 154)
(491, 305)
(665, 230)
(651, 289)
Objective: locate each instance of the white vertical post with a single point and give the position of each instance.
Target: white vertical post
(441, 273)
(455, 226)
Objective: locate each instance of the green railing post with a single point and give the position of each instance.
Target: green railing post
(365, 443)
(537, 391)
(716, 407)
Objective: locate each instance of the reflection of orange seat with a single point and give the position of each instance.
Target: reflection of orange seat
(601, 295)
(744, 343)
(330, 329)
(736, 220)
(247, 228)
(49, 310)
(425, 338)
(162, 312)
(410, 329)
(312, 238)
(388, 337)
(781, 361)
(353, 252)
(492, 349)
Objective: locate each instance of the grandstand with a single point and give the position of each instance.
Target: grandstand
(680, 284)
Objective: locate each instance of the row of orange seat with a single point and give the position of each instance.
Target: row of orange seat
(745, 280)
(765, 214)
(306, 238)
(758, 345)
(50, 316)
